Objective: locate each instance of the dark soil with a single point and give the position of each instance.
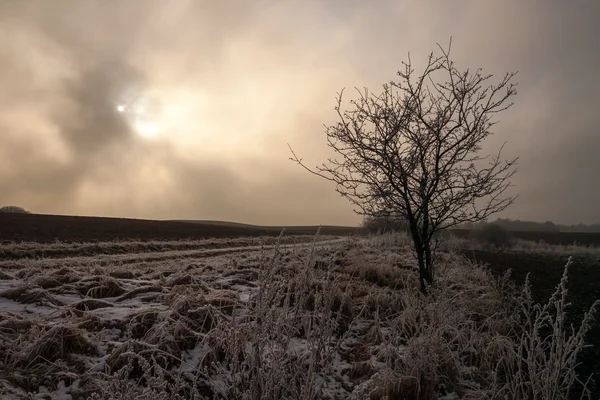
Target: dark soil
(545, 272)
(562, 238)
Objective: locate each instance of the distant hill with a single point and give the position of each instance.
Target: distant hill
(299, 229)
(217, 223)
(49, 228)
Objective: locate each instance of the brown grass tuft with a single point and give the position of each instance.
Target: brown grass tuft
(14, 324)
(66, 275)
(91, 304)
(204, 319)
(180, 280)
(63, 271)
(26, 295)
(54, 343)
(46, 282)
(107, 287)
(26, 273)
(182, 298)
(173, 336)
(141, 322)
(126, 353)
(5, 276)
(361, 371)
(373, 335)
(93, 323)
(224, 300)
(123, 274)
(359, 352)
(144, 289)
(243, 274)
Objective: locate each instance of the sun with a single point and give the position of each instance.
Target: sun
(167, 114)
(143, 115)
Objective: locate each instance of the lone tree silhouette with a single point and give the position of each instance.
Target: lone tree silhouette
(413, 151)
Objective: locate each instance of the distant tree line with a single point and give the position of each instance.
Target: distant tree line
(384, 224)
(532, 226)
(14, 210)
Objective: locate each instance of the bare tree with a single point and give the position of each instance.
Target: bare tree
(413, 151)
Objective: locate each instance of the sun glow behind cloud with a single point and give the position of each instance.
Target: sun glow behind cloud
(169, 114)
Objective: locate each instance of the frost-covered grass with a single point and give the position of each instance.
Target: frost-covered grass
(540, 247)
(17, 250)
(330, 321)
(165, 253)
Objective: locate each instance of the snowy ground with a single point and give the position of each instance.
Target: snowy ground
(338, 319)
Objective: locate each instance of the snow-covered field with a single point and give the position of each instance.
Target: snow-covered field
(335, 319)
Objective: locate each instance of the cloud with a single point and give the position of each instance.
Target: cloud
(228, 85)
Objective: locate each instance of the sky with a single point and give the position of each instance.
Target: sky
(184, 109)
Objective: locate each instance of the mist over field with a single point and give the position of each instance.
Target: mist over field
(183, 109)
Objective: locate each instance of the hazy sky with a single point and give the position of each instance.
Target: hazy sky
(212, 92)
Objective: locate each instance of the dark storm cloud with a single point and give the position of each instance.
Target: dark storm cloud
(254, 75)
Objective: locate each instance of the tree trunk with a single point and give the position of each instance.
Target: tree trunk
(422, 271)
(419, 250)
(422, 249)
(425, 235)
(428, 262)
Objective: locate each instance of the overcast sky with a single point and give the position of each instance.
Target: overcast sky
(211, 92)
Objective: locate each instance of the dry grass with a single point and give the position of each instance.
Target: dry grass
(122, 274)
(15, 324)
(104, 287)
(309, 323)
(544, 360)
(46, 282)
(140, 290)
(45, 344)
(91, 304)
(24, 294)
(4, 276)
